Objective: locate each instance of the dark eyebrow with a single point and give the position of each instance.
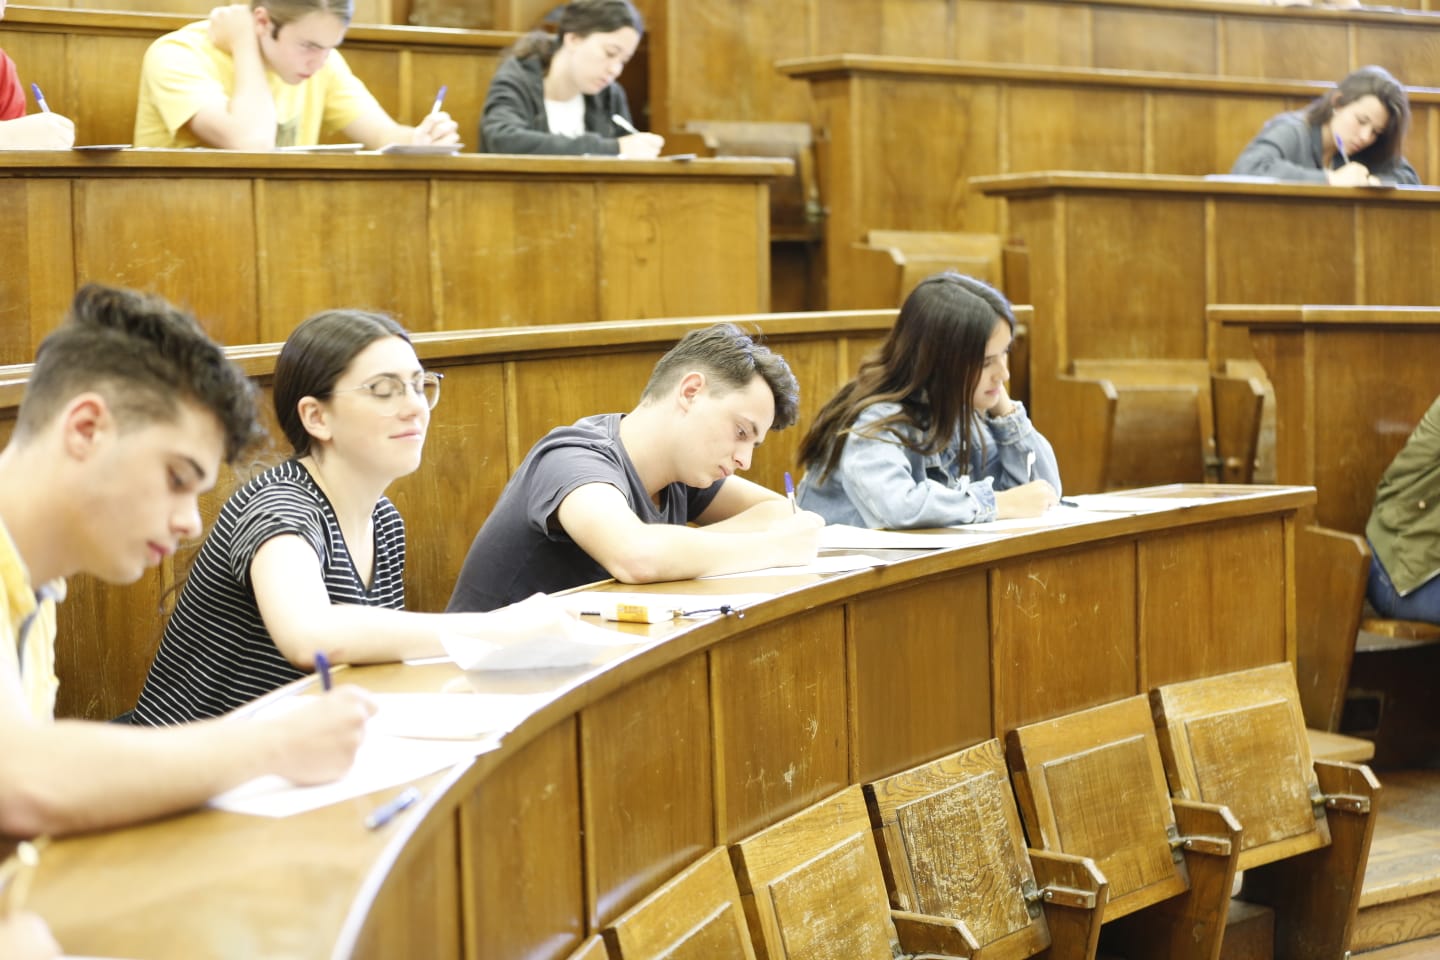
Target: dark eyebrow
(199, 471)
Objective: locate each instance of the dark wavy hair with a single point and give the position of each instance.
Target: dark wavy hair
(315, 356)
(1366, 82)
(730, 358)
(930, 365)
(582, 18)
(144, 356)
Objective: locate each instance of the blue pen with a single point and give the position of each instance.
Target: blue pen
(40, 98)
(322, 667)
(790, 492)
(439, 98)
(1340, 149)
(386, 812)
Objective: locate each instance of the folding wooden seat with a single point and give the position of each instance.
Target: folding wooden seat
(951, 845)
(812, 890)
(1091, 784)
(697, 915)
(1239, 740)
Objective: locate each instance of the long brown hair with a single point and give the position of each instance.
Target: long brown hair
(1368, 81)
(930, 364)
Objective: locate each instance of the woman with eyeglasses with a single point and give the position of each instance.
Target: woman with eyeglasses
(309, 556)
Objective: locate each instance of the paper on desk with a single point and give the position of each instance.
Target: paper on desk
(841, 537)
(451, 716)
(844, 563)
(379, 763)
(581, 644)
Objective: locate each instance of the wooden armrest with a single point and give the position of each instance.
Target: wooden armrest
(920, 933)
(1401, 629)
(1348, 787)
(1069, 881)
(1207, 828)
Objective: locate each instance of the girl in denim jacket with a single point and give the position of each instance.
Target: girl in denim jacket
(926, 435)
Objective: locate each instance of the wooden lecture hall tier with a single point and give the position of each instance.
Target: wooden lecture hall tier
(503, 390)
(727, 727)
(88, 64)
(713, 59)
(905, 135)
(254, 243)
(1121, 268)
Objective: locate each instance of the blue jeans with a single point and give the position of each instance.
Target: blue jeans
(1422, 603)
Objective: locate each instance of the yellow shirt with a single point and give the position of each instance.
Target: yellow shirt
(183, 71)
(37, 669)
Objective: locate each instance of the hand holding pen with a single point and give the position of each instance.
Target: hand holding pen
(639, 146)
(1350, 173)
(790, 492)
(41, 131)
(436, 126)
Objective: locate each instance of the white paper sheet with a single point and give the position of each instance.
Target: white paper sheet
(1119, 503)
(451, 716)
(844, 563)
(841, 537)
(380, 762)
(581, 644)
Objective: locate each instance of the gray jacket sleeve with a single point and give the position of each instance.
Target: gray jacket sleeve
(513, 119)
(1282, 150)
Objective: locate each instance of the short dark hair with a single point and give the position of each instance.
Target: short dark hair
(288, 11)
(730, 358)
(144, 356)
(1366, 82)
(582, 18)
(315, 356)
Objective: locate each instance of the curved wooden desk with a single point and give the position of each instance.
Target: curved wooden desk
(728, 726)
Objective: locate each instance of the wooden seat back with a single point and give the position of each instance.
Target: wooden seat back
(951, 844)
(1071, 774)
(795, 212)
(1239, 408)
(1331, 569)
(592, 949)
(697, 915)
(1239, 739)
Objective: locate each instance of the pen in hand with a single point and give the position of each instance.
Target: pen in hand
(1030, 466)
(387, 811)
(439, 99)
(623, 124)
(40, 98)
(322, 667)
(1340, 149)
(790, 492)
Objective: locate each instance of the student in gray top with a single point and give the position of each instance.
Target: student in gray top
(1352, 136)
(926, 434)
(611, 495)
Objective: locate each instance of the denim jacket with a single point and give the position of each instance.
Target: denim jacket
(882, 483)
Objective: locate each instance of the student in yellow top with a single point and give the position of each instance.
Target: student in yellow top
(261, 76)
(128, 414)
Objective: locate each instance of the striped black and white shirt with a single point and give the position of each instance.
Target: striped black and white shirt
(216, 653)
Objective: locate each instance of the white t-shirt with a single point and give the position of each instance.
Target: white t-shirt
(566, 117)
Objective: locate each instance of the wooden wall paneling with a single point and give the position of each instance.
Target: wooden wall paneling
(108, 637)
(1019, 31)
(1210, 601)
(1420, 146)
(520, 853)
(548, 392)
(38, 280)
(40, 58)
(418, 911)
(1400, 255)
(1177, 117)
(104, 82)
(1314, 265)
(1411, 55)
(516, 253)
(919, 674)
(779, 721)
(462, 14)
(192, 241)
(683, 249)
(1284, 359)
(382, 70)
(1369, 392)
(1285, 48)
(648, 802)
(1164, 40)
(342, 243)
(465, 469)
(1057, 126)
(1039, 621)
(908, 28)
(465, 73)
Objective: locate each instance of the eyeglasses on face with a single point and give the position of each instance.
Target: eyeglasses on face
(390, 390)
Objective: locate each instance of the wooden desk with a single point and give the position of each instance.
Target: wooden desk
(254, 243)
(695, 78)
(725, 728)
(88, 64)
(1350, 385)
(948, 121)
(1124, 266)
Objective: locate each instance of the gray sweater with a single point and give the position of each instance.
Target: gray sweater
(1288, 148)
(514, 121)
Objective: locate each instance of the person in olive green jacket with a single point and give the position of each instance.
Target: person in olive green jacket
(1404, 528)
